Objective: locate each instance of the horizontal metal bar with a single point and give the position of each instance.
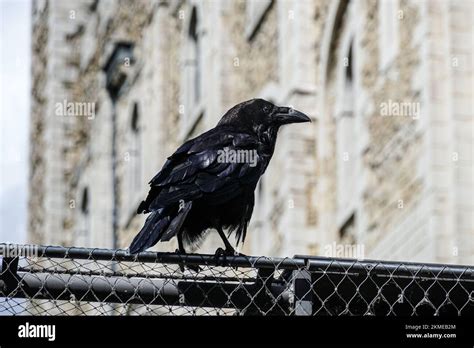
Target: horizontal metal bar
(154, 257)
(93, 288)
(393, 269)
(46, 286)
(311, 263)
(196, 277)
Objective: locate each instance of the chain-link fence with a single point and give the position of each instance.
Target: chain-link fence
(78, 281)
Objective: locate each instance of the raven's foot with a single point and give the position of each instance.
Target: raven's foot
(221, 255)
(219, 252)
(183, 266)
(227, 252)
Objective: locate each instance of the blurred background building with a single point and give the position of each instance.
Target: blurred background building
(385, 168)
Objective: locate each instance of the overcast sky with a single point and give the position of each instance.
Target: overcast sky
(15, 22)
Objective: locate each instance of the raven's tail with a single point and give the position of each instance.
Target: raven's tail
(159, 225)
(151, 231)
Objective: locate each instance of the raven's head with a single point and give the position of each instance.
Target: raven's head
(258, 113)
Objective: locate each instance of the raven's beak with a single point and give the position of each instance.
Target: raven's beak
(285, 115)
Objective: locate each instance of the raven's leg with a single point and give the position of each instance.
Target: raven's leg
(181, 250)
(180, 243)
(229, 250)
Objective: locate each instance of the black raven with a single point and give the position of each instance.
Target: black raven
(209, 181)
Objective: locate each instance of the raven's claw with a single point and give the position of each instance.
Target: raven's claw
(183, 266)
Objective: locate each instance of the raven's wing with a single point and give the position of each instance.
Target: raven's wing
(197, 169)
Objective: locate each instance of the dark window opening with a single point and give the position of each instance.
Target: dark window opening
(85, 201)
(350, 66)
(195, 55)
(135, 125)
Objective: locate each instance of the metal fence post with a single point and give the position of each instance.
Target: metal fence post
(8, 274)
(303, 292)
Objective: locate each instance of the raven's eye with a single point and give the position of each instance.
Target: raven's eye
(266, 109)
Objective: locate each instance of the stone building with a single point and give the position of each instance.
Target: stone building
(386, 164)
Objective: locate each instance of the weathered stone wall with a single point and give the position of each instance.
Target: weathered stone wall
(412, 201)
(394, 149)
(253, 63)
(36, 211)
(54, 75)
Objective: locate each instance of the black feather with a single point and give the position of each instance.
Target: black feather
(196, 190)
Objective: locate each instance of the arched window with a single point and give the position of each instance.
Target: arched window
(347, 144)
(340, 124)
(346, 140)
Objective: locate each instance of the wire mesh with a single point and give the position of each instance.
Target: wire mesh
(36, 280)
